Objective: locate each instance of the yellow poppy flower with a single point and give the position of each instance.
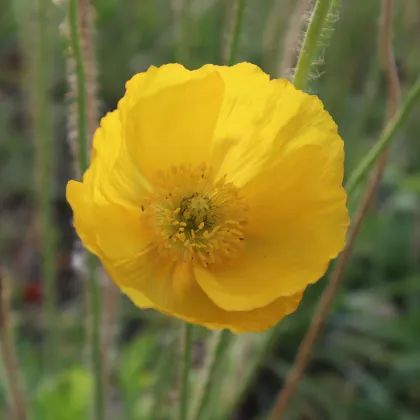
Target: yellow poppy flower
(214, 195)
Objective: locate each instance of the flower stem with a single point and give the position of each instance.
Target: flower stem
(83, 158)
(187, 343)
(214, 360)
(392, 128)
(291, 40)
(44, 142)
(236, 31)
(81, 84)
(310, 43)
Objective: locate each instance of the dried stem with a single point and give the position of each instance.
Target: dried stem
(109, 291)
(328, 295)
(9, 358)
(272, 33)
(72, 125)
(109, 325)
(291, 40)
(86, 14)
(79, 37)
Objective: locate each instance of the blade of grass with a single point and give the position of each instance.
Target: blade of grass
(391, 129)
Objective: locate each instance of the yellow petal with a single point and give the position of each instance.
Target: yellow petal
(136, 271)
(176, 293)
(173, 125)
(152, 81)
(297, 224)
(261, 120)
(238, 142)
(82, 207)
(114, 178)
(112, 231)
(121, 232)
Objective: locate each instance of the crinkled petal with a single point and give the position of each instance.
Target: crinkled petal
(172, 289)
(244, 107)
(173, 125)
(107, 230)
(82, 206)
(297, 223)
(276, 144)
(114, 177)
(262, 120)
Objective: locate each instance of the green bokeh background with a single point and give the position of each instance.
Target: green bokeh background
(366, 364)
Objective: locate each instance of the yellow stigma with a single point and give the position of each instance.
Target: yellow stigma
(196, 218)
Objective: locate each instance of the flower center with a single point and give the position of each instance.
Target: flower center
(196, 218)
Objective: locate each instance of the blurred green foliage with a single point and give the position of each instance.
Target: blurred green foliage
(366, 365)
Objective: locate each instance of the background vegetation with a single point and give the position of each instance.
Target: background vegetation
(366, 363)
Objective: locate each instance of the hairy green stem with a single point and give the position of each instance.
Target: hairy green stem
(187, 344)
(236, 31)
(310, 43)
(44, 145)
(324, 38)
(83, 158)
(76, 46)
(391, 129)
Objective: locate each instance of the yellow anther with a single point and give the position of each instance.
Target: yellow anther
(180, 236)
(197, 218)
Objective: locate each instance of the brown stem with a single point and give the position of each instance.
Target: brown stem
(229, 23)
(109, 321)
(272, 33)
(334, 280)
(291, 40)
(86, 13)
(9, 358)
